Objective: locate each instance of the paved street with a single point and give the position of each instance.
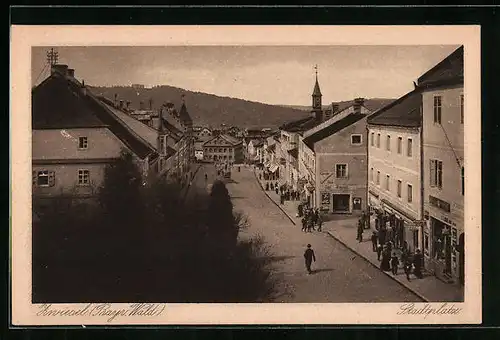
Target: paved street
(340, 275)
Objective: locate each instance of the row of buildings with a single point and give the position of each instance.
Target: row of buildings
(405, 158)
(76, 134)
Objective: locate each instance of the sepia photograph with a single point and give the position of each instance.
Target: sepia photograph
(248, 174)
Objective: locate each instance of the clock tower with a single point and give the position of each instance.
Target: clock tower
(317, 110)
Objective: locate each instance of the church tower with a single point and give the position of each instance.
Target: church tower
(317, 110)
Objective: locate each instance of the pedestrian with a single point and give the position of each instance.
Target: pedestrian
(276, 190)
(310, 224)
(417, 264)
(394, 263)
(300, 209)
(304, 223)
(320, 222)
(385, 264)
(374, 241)
(390, 233)
(260, 176)
(267, 186)
(381, 234)
(379, 251)
(271, 186)
(359, 236)
(309, 256)
(407, 267)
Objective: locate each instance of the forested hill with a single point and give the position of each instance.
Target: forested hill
(207, 109)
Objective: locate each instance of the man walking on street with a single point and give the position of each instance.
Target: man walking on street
(359, 236)
(320, 222)
(309, 257)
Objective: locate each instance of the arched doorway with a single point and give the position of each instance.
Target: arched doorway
(461, 258)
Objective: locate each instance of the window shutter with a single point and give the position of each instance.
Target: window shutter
(34, 178)
(432, 173)
(52, 178)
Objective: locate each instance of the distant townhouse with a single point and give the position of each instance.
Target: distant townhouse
(223, 149)
(75, 135)
(443, 105)
(394, 165)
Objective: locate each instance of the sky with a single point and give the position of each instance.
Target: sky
(282, 75)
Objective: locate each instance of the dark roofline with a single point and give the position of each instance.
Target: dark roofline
(333, 128)
(390, 105)
(454, 54)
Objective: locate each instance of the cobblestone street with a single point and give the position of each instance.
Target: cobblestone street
(339, 275)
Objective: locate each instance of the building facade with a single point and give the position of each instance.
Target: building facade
(443, 105)
(223, 149)
(394, 165)
(75, 135)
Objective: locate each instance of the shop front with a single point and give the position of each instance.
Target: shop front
(444, 247)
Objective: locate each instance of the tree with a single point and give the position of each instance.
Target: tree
(221, 221)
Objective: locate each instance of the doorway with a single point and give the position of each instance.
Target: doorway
(341, 203)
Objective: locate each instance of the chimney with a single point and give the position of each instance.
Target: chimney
(358, 102)
(71, 72)
(84, 89)
(58, 68)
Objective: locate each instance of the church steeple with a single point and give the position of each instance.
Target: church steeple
(316, 98)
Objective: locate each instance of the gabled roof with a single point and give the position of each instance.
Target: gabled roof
(333, 128)
(300, 124)
(57, 103)
(231, 140)
(60, 102)
(404, 111)
(450, 71)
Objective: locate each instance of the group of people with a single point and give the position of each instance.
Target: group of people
(387, 241)
(310, 219)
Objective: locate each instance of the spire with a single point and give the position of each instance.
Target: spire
(316, 91)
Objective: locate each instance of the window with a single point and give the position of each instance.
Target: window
(378, 140)
(400, 144)
(399, 188)
(83, 177)
(378, 177)
(463, 181)
(410, 193)
(42, 178)
(372, 139)
(436, 173)
(371, 174)
(341, 170)
(388, 143)
(461, 108)
(437, 109)
(387, 180)
(409, 150)
(356, 139)
(83, 143)
(225, 149)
